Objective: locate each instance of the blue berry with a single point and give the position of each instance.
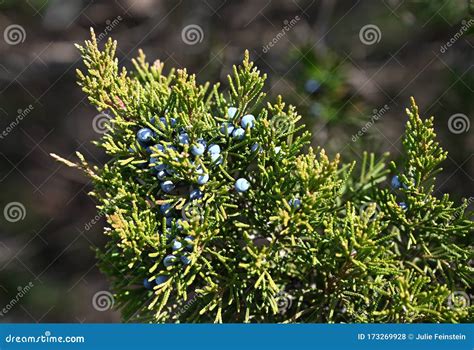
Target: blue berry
(231, 112)
(248, 120)
(161, 279)
(214, 149)
(169, 221)
(403, 205)
(238, 134)
(168, 170)
(202, 179)
(163, 120)
(255, 147)
(147, 284)
(176, 245)
(202, 142)
(216, 159)
(185, 259)
(169, 260)
(242, 185)
(183, 138)
(189, 240)
(167, 186)
(159, 147)
(145, 136)
(396, 183)
(195, 194)
(312, 86)
(227, 128)
(198, 149)
(161, 175)
(166, 209)
(179, 224)
(295, 203)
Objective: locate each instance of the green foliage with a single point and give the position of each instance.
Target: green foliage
(312, 240)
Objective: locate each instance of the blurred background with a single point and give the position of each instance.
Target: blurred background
(349, 67)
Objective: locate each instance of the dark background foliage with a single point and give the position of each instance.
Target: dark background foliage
(320, 64)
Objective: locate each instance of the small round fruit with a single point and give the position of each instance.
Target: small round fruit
(195, 194)
(189, 240)
(227, 128)
(161, 175)
(396, 183)
(202, 179)
(183, 138)
(145, 136)
(198, 149)
(403, 205)
(167, 186)
(169, 260)
(161, 279)
(242, 185)
(238, 134)
(185, 259)
(166, 209)
(176, 245)
(248, 121)
(295, 203)
(231, 112)
(214, 149)
(147, 284)
(255, 147)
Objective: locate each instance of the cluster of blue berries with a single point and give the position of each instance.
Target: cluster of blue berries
(204, 157)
